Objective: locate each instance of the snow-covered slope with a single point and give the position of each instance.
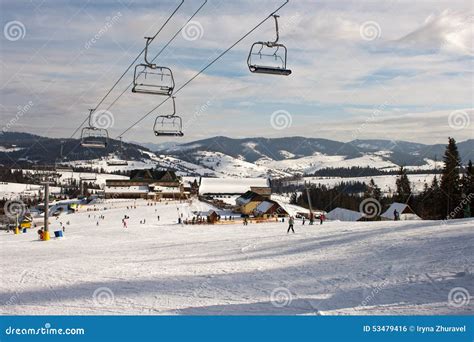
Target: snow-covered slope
(385, 183)
(308, 165)
(161, 267)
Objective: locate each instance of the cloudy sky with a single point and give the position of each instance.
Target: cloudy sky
(391, 69)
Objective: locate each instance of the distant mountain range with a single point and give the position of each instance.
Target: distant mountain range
(222, 156)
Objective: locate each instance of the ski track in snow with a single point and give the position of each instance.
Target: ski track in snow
(164, 268)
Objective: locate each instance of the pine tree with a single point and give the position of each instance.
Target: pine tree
(403, 192)
(373, 191)
(468, 189)
(450, 182)
(294, 198)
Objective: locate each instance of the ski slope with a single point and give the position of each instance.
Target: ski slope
(164, 268)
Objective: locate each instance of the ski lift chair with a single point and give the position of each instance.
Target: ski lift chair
(169, 125)
(94, 137)
(269, 57)
(148, 78)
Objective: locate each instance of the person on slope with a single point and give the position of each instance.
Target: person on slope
(396, 215)
(291, 222)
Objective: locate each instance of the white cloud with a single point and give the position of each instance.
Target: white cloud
(420, 64)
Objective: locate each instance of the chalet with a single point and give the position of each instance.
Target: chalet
(269, 208)
(147, 183)
(220, 187)
(342, 214)
(404, 210)
(249, 201)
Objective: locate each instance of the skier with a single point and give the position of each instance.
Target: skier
(158, 217)
(291, 222)
(303, 220)
(245, 221)
(396, 215)
(321, 218)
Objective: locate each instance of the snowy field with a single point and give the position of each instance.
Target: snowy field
(164, 268)
(387, 183)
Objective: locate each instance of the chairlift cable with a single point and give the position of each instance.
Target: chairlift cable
(159, 53)
(205, 68)
(128, 68)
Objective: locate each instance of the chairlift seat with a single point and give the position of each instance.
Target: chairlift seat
(168, 126)
(169, 133)
(269, 70)
(266, 58)
(93, 137)
(154, 80)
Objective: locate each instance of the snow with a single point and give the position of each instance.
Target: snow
(310, 164)
(10, 149)
(229, 185)
(263, 206)
(400, 207)
(343, 214)
(16, 190)
(224, 165)
(387, 267)
(127, 189)
(386, 182)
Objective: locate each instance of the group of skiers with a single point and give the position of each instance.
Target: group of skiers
(291, 222)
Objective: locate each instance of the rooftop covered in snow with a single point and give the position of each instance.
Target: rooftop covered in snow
(229, 186)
